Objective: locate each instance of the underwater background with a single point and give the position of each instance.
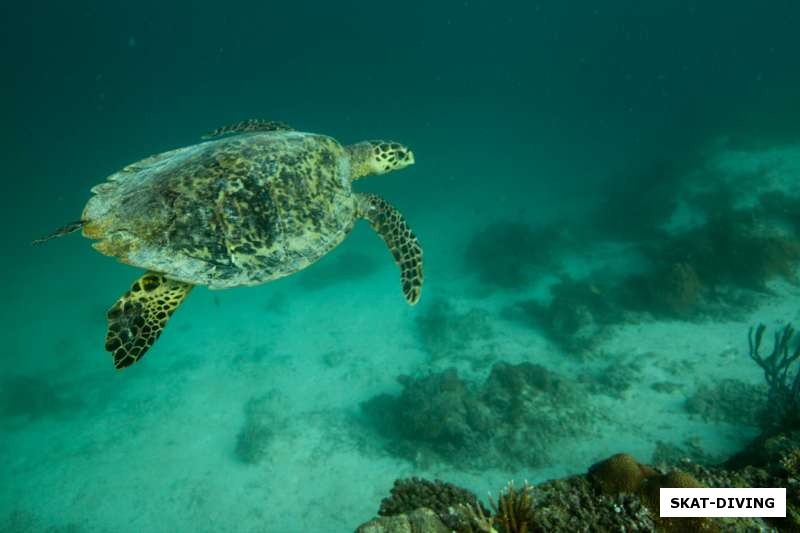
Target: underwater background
(607, 194)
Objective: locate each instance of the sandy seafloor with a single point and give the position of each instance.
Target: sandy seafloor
(152, 448)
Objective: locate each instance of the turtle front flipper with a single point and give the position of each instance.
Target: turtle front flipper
(391, 226)
(248, 126)
(136, 320)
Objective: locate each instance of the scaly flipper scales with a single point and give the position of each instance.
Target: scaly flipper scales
(136, 320)
(248, 126)
(391, 226)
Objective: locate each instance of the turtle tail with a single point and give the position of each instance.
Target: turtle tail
(72, 227)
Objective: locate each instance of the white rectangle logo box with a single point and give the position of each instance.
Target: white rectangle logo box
(723, 502)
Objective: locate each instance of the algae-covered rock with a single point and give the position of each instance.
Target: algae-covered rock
(417, 521)
(617, 494)
(574, 504)
(729, 400)
(516, 417)
(577, 317)
(446, 500)
(447, 332)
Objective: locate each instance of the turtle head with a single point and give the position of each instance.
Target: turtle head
(370, 158)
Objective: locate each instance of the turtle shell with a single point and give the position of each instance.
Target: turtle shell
(235, 211)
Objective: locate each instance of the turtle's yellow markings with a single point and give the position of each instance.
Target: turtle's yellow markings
(136, 320)
(387, 222)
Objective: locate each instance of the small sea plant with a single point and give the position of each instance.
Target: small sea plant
(782, 376)
(513, 511)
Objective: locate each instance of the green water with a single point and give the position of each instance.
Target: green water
(553, 141)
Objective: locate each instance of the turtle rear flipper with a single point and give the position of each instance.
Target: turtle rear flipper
(72, 227)
(136, 320)
(248, 126)
(391, 226)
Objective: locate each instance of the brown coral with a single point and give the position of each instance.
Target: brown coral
(650, 495)
(620, 473)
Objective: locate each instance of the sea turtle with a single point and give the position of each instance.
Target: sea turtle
(256, 202)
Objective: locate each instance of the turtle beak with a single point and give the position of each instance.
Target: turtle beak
(410, 157)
